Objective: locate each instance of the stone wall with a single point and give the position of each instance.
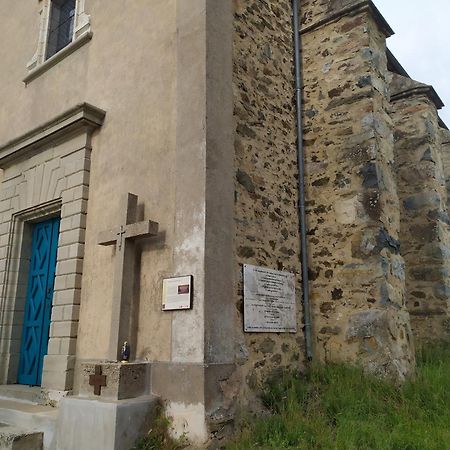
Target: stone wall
(424, 218)
(445, 139)
(357, 272)
(266, 218)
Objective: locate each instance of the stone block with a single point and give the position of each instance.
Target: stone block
(79, 178)
(12, 367)
(68, 281)
(57, 313)
(63, 252)
(65, 225)
(58, 363)
(13, 345)
(73, 208)
(3, 252)
(67, 297)
(68, 346)
(4, 240)
(58, 372)
(72, 237)
(4, 227)
(74, 167)
(73, 281)
(64, 329)
(8, 192)
(69, 266)
(5, 205)
(81, 192)
(60, 282)
(75, 193)
(54, 345)
(123, 381)
(79, 220)
(61, 380)
(71, 312)
(76, 251)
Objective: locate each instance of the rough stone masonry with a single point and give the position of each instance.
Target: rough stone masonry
(376, 149)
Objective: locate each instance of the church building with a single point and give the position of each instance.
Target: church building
(197, 195)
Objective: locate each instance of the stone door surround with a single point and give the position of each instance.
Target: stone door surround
(45, 173)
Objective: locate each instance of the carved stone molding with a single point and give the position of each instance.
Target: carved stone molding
(82, 116)
(82, 34)
(46, 173)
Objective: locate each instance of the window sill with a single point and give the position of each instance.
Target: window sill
(55, 59)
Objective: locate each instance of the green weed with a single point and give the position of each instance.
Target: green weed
(336, 407)
(158, 438)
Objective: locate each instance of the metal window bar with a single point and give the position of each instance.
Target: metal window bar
(62, 18)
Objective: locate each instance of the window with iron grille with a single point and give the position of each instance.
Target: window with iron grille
(61, 25)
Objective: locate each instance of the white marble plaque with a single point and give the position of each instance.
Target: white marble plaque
(177, 293)
(269, 301)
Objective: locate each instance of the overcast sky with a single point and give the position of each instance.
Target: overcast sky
(422, 42)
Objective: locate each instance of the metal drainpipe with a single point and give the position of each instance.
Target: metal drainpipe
(301, 182)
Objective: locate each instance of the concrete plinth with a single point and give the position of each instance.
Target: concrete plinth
(123, 381)
(103, 424)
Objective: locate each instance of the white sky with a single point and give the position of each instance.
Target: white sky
(422, 42)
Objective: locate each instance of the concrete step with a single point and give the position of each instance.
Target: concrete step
(30, 417)
(32, 394)
(13, 438)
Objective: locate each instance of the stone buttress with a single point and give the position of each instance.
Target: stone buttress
(421, 181)
(357, 271)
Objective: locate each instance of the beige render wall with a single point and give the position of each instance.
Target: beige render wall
(357, 273)
(266, 218)
(134, 152)
(425, 222)
(166, 122)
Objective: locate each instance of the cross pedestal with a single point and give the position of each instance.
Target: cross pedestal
(124, 238)
(114, 381)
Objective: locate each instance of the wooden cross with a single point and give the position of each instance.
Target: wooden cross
(97, 380)
(124, 238)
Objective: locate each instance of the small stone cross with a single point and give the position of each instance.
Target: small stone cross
(97, 380)
(124, 238)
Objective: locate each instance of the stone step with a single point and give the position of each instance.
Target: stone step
(32, 394)
(30, 417)
(13, 438)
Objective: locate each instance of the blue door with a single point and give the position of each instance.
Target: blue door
(38, 306)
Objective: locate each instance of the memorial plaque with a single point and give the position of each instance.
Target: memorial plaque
(269, 301)
(177, 293)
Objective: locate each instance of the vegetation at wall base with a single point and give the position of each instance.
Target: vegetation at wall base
(337, 407)
(158, 438)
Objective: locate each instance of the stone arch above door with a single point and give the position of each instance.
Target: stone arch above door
(45, 173)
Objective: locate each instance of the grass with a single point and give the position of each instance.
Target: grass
(339, 408)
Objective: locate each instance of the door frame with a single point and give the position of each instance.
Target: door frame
(17, 270)
(47, 167)
(54, 223)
